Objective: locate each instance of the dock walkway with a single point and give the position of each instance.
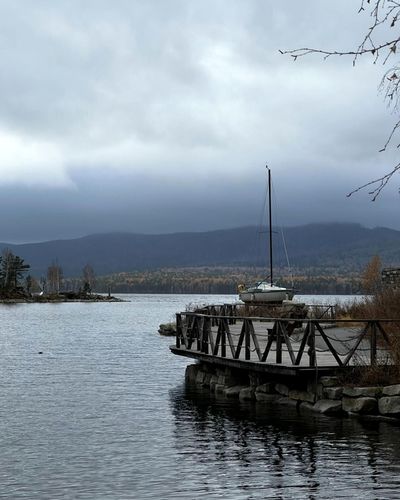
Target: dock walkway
(286, 346)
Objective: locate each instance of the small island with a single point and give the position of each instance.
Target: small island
(17, 286)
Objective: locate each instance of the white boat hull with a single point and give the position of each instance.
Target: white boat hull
(273, 294)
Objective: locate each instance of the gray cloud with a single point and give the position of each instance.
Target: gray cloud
(159, 116)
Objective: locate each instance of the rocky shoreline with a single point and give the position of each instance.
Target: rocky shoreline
(324, 395)
(53, 298)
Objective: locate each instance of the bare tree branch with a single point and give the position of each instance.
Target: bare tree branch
(381, 182)
(385, 15)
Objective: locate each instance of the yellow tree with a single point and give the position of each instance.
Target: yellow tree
(371, 277)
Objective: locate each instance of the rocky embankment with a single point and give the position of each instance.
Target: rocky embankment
(325, 395)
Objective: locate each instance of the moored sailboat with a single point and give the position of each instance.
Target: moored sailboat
(266, 291)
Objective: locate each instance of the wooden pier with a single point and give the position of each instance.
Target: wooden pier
(282, 346)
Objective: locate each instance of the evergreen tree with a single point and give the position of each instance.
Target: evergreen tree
(12, 271)
(89, 279)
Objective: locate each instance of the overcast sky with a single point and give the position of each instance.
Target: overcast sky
(159, 116)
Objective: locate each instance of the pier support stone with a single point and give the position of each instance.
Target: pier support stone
(328, 406)
(355, 392)
(360, 405)
(391, 390)
(329, 381)
(234, 391)
(322, 395)
(389, 405)
(247, 393)
(267, 388)
(263, 396)
(333, 392)
(282, 389)
(191, 372)
(302, 396)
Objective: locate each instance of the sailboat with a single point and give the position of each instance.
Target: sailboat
(266, 291)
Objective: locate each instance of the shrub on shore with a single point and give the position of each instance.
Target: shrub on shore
(383, 304)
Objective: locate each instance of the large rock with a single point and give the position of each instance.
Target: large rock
(316, 389)
(226, 378)
(200, 377)
(305, 407)
(328, 406)
(333, 392)
(288, 402)
(302, 396)
(167, 329)
(356, 392)
(207, 379)
(254, 380)
(233, 391)
(263, 396)
(219, 389)
(282, 389)
(329, 381)
(213, 382)
(391, 390)
(360, 405)
(267, 388)
(221, 379)
(247, 393)
(191, 372)
(389, 405)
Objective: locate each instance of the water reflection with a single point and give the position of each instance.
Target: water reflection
(94, 418)
(253, 450)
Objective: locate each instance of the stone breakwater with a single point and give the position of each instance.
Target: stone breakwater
(323, 394)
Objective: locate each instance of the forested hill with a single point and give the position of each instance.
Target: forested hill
(347, 246)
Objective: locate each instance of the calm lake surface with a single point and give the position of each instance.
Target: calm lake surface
(103, 413)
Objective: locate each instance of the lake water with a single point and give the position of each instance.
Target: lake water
(103, 413)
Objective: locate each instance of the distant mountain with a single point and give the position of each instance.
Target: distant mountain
(342, 245)
(345, 246)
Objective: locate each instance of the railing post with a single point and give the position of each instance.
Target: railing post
(278, 342)
(311, 345)
(223, 339)
(199, 332)
(247, 341)
(206, 335)
(214, 314)
(234, 312)
(178, 330)
(189, 335)
(373, 343)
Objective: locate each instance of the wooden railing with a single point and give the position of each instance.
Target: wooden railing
(289, 337)
(315, 311)
(321, 311)
(231, 311)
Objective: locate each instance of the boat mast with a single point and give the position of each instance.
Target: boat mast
(270, 223)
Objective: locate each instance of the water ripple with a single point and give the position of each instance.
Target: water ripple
(103, 414)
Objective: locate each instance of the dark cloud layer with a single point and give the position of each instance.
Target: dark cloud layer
(160, 116)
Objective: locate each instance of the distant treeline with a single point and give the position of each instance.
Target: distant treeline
(15, 283)
(219, 281)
